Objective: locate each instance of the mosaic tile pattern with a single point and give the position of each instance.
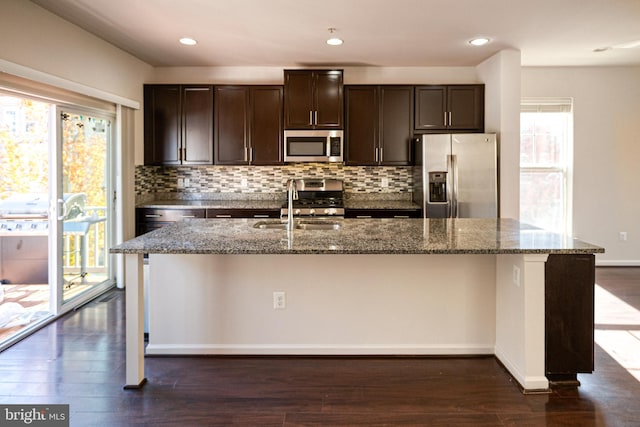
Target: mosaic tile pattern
(267, 179)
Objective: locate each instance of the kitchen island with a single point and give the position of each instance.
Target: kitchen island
(372, 286)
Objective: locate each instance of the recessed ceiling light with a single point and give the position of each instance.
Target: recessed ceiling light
(480, 41)
(188, 41)
(334, 41)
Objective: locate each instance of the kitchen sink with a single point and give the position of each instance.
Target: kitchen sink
(300, 225)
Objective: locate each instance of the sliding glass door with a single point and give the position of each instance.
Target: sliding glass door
(83, 206)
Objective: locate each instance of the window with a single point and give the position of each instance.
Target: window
(545, 163)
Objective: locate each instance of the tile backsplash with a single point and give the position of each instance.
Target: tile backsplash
(264, 181)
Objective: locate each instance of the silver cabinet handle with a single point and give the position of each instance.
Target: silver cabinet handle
(152, 216)
(223, 216)
(445, 118)
(260, 216)
(310, 117)
(381, 154)
(377, 154)
(187, 216)
(315, 117)
(449, 118)
(363, 216)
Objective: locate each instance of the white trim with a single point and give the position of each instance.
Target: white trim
(618, 263)
(317, 349)
(39, 76)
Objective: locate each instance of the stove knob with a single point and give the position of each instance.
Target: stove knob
(312, 211)
(330, 211)
(296, 212)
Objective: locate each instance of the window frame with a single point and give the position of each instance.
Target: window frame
(554, 105)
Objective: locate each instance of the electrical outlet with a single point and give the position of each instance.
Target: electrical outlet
(279, 300)
(384, 182)
(186, 182)
(180, 182)
(244, 183)
(516, 275)
(623, 236)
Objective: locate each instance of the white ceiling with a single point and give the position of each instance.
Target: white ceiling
(386, 33)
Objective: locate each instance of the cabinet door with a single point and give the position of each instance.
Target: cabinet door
(396, 124)
(231, 124)
(328, 99)
(465, 104)
(162, 130)
(431, 108)
(197, 125)
(298, 99)
(569, 315)
(361, 136)
(266, 125)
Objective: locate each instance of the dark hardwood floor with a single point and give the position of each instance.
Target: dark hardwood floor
(79, 360)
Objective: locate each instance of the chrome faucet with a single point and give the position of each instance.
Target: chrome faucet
(292, 194)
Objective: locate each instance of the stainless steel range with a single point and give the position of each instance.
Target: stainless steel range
(317, 198)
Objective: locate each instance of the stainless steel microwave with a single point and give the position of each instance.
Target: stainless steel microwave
(313, 146)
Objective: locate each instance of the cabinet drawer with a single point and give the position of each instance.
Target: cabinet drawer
(243, 213)
(167, 215)
(382, 213)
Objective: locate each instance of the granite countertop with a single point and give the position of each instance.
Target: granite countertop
(213, 204)
(270, 204)
(356, 236)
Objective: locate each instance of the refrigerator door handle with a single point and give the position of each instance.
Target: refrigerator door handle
(452, 177)
(450, 190)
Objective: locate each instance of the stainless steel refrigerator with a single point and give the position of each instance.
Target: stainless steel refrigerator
(456, 175)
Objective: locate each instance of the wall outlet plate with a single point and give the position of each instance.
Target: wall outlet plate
(279, 300)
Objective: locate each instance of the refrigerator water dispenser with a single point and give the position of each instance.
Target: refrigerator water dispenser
(437, 187)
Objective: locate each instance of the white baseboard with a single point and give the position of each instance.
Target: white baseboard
(528, 383)
(617, 263)
(316, 350)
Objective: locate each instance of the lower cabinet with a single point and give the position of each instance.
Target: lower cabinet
(382, 213)
(569, 316)
(243, 213)
(149, 219)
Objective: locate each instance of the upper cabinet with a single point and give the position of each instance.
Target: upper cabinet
(248, 125)
(313, 99)
(379, 125)
(455, 108)
(178, 125)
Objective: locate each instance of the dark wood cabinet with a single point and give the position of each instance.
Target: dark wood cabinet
(149, 219)
(569, 316)
(379, 125)
(382, 213)
(178, 125)
(248, 125)
(243, 213)
(313, 99)
(454, 108)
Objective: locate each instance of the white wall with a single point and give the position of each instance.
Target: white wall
(501, 76)
(352, 75)
(35, 38)
(606, 197)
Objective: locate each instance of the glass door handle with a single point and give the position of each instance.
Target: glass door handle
(61, 208)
